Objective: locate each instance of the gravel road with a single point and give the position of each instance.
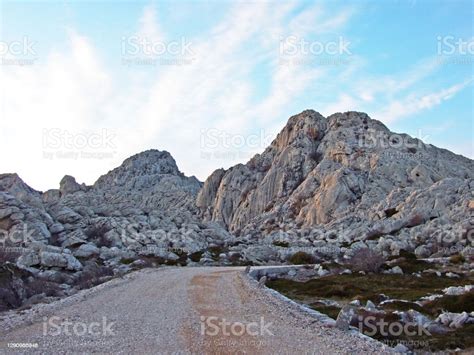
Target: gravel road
(201, 310)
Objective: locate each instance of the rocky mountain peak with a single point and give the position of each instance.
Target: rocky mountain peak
(68, 185)
(15, 186)
(301, 130)
(148, 163)
(320, 170)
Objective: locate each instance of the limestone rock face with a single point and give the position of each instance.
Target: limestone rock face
(345, 175)
(143, 208)
(68, 185)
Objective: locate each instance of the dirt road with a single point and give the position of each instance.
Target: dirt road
(202, 310)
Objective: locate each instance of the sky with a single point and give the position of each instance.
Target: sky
(86, 84)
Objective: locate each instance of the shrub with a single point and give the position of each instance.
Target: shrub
(280, 243)
(457, 259)
(8, 255)
(49, 288)
(196, 256)
(127, 261)
(366, 260)
(93, 276)
(301, 258)
(97, 233)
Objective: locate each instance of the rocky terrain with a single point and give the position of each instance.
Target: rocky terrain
(139, 214)
(325, 186)
(333, 185)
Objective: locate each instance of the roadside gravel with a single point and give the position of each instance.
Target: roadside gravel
(177, 310)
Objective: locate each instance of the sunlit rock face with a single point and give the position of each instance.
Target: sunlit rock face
(345, 175)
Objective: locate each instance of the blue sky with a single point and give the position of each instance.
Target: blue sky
(230, 74)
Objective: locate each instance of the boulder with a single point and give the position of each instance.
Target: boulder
(344, 317)
(53, 259)
(86, 251)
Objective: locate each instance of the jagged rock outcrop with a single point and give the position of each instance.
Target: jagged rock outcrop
(348, 176)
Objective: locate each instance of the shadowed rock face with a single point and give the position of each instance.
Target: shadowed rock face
(345, 171)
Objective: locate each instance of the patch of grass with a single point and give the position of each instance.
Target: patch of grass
(456, 304)
(345, 288)
(461, 338)
(410, 265)
(403, 306)
(280, 243)
(331, 311)
(457, 259)
(301, 258)
(127, 261)
(364, 287)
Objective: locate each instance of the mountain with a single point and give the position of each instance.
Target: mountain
(79, 235)
(347, 176)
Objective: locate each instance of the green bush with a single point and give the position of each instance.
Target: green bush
(301, 258)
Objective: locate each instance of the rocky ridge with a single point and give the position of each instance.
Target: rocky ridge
(141, 213)
(336, 184)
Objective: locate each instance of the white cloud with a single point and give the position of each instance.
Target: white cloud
(413, 104)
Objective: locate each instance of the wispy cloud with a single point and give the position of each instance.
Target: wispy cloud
(413, 104)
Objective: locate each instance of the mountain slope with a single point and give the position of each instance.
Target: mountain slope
(346, 175)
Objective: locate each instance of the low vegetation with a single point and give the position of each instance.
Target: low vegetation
(404, 290)
(302, 258)
(366, 260)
